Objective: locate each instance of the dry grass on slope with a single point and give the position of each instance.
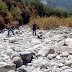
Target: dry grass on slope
(50, 22)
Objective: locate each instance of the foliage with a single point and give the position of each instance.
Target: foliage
(1, 22)
(25, 15)
(37, 5)
(46, 10)
(50, 22)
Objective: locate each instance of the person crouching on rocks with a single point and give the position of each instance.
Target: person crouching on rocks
(39, 36)
(34, 28)
(9, 29)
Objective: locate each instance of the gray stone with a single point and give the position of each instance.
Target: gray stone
(68, 41)
(18, 61)
(12, 71)
(66, 49)
(21, 69)
(69, 62)
(51, 56)
(45, 52)
(65, 54)
(26, 56)
(12, 39)
(58, 57)
(4, 67)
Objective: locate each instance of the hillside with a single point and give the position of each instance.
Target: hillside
(59, 4)
(19, 12)
(15, 11)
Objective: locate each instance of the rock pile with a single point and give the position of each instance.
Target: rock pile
(26, 53)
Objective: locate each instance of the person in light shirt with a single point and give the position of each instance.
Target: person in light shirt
(9, 29)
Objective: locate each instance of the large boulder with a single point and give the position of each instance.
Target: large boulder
(69, 62)
(4, 67)
(45, 52)
(35, 41)
(67, 70)
(12, 47)
(18, 61)
(26, 56)
(40, 62)
(12, 39)
(14, 54)
(59, 44)
(68, 41)
(12, 71)
(21, 69)
(66, 49)
(51, 56)
(37, 70)
(8, 52)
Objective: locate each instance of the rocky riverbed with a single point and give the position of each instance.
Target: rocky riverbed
(26, 53)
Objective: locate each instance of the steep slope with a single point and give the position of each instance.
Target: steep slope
(60, 4)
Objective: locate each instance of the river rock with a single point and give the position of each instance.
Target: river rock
(58, 57)
(4, 67)
(45, 52)
(68, 41)
(65, 54)
(12, 71)
(69, 62)
(21, 69)
(26, 56)
(51, 56)
(66, 49)
(67, 70)
(12, 39)
(18, 61)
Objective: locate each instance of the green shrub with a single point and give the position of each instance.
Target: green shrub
(26, 16)
(37, 5)
(1, 22)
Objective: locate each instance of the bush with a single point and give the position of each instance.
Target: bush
(37, 5)
(26, 16)
(1, 22)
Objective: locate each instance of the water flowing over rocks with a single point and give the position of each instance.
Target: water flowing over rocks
(26, 53)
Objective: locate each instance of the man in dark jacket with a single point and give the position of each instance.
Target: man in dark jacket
(34, 28)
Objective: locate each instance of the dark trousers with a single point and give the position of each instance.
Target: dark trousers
(34, 32)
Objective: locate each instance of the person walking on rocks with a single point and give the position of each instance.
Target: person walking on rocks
(34, 28)
(9, 28)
